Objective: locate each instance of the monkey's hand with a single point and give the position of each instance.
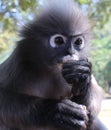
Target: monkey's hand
(33, 112)
(65, 115)
(77, 73)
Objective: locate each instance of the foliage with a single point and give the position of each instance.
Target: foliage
(6, 45)
(13, 14)
(101, 12)
(13, 11)
(107, 75)
(84, 1)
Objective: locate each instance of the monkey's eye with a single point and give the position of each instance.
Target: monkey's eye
(57, 40)
(78, 42)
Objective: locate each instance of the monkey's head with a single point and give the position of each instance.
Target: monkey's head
(58, 34)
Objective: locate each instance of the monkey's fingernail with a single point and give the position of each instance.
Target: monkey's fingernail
(84, 107)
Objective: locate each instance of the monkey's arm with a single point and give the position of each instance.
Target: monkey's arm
(96, 97)
(85, 88)
(22, 111)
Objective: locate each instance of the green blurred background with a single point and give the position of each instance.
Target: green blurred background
(15, 13)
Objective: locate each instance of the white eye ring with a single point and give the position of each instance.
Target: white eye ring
(78, 42)
(57, 40)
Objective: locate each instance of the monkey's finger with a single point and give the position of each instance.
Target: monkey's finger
(85, 77)
(66, 71)
(71, 77)
(80, 62)
(69, 122)
(73, 110)
(73, 104)
(83, 63)
(82, 69)
(76, 69)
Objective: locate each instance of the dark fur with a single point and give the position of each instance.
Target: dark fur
(33, 90)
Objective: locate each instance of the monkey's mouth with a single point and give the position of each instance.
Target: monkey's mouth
(67, 58)
(70, 58)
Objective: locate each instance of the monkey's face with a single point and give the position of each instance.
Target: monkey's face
(65, 48)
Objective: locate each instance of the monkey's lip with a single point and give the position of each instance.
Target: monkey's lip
(67, 58)
(70, 58)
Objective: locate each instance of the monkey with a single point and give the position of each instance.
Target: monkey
(47, 82)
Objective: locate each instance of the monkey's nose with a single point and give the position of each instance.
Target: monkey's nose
(71, 50)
